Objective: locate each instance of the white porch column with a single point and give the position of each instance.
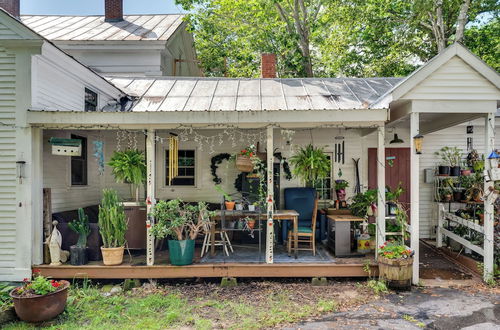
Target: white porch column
(381, 187)
(489, 143)
(150, 193)
(270, 196)
(414, 195)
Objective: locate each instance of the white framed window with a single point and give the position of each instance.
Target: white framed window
(187, 168)
(324, 186)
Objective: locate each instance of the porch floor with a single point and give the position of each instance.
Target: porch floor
(244, 262)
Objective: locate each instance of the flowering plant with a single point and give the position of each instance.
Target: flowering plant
(248, 151)
(391, 250)
(39, 285)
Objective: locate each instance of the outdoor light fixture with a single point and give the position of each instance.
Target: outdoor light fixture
(20, 170)
(396, 139)
(417, 141)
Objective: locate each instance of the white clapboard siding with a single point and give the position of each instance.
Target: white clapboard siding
(455, 80)
(7, 159)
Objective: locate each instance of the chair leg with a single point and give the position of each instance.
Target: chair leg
(229, 242)
(289, 243)
(207, 244)
(203, 246)
(314, 246)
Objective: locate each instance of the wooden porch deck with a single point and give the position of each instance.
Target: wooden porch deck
(135, 267)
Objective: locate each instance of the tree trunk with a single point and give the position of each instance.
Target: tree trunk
(440, 37)
(461, 21)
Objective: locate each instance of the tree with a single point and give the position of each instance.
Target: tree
(484, 41)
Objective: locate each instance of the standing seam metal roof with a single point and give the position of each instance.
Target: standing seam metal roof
(94, 28)
(212, 94)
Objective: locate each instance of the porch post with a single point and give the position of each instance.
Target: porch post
(380, 187)
(270, 196)
(150, 193)
(414, 195)
(489, 127)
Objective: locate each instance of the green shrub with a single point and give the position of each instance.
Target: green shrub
(112, 222)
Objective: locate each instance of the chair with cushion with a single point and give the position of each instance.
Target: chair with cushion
(305, 202)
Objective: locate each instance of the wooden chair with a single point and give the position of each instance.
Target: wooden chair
(223, 241)
(306, 234)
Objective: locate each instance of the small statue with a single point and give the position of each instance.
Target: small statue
(55, 241)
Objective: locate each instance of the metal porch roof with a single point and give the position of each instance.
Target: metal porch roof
(212, 94)
(94, 28)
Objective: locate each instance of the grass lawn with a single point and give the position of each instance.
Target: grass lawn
(250, 305)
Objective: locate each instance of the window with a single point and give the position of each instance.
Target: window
(90, 100)
(324, 186)
(79, 164)
(186, 165)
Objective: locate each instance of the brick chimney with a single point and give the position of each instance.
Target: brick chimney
(11, 6)
(113, 10)
(268, 66)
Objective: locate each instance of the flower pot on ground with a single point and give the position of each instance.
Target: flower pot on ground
(78, 252)
(112, 227)
(40, 299)
(395, 264)
(181, 223)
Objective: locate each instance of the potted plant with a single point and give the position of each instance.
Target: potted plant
(78, 255)
(451, 157)
(395, 262)
(40, 299)
(446, 194)
(310, 164)
(129, 166)
(244, 159)
(364, 204)
(340, 186)
(181, 223)
(228, 200)
(112, 227)
(251, 207)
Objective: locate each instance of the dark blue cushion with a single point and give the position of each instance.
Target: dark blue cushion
(301, 200)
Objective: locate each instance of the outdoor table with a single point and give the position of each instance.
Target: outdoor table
(290, 215)
(343, 233)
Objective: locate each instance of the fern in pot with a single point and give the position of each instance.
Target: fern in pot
(129, 166)
(112, 227)
(310, 164)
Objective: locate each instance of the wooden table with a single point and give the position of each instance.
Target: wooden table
(279, 215)
(343, 233)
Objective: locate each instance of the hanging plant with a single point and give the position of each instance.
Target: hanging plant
(129, 166)
(310, 164)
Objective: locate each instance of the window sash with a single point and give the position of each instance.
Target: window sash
(79, 163)
(182, 180)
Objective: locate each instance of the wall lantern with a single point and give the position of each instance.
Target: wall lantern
(20, 165)
(417, 141)
(396, 139)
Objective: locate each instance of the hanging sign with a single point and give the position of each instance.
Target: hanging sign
(66, 147)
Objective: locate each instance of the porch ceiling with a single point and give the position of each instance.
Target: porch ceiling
(214, 94)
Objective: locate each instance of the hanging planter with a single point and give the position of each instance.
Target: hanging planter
(244, 163)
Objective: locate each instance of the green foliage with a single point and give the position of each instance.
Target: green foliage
(361, 202)
(378, 286)
(41, 286)
(451, 156)
(341, 184)
(179, 220)
(129, 166)
(484, 41)
(112, 222)
(393, 196)
(219, 189)
(5, 299)
(81, 227)
(391, 250)
(310, 164)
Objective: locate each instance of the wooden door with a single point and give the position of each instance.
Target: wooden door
(398, 173)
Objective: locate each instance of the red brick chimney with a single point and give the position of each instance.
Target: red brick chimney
(11, 6)
(113, 10)
(268, 66)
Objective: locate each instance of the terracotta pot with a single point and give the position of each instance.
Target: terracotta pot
(229, 205)
(251, 224)
(465, 172)
(397, 272)
(41, 308)
(112, 256)
(244, 163)
(340, 194)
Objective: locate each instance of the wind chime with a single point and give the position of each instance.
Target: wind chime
(173, 157)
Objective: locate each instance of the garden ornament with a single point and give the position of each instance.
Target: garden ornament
(57, 255)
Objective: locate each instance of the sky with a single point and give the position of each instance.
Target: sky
(96, 7)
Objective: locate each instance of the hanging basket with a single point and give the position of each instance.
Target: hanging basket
(244, 163)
